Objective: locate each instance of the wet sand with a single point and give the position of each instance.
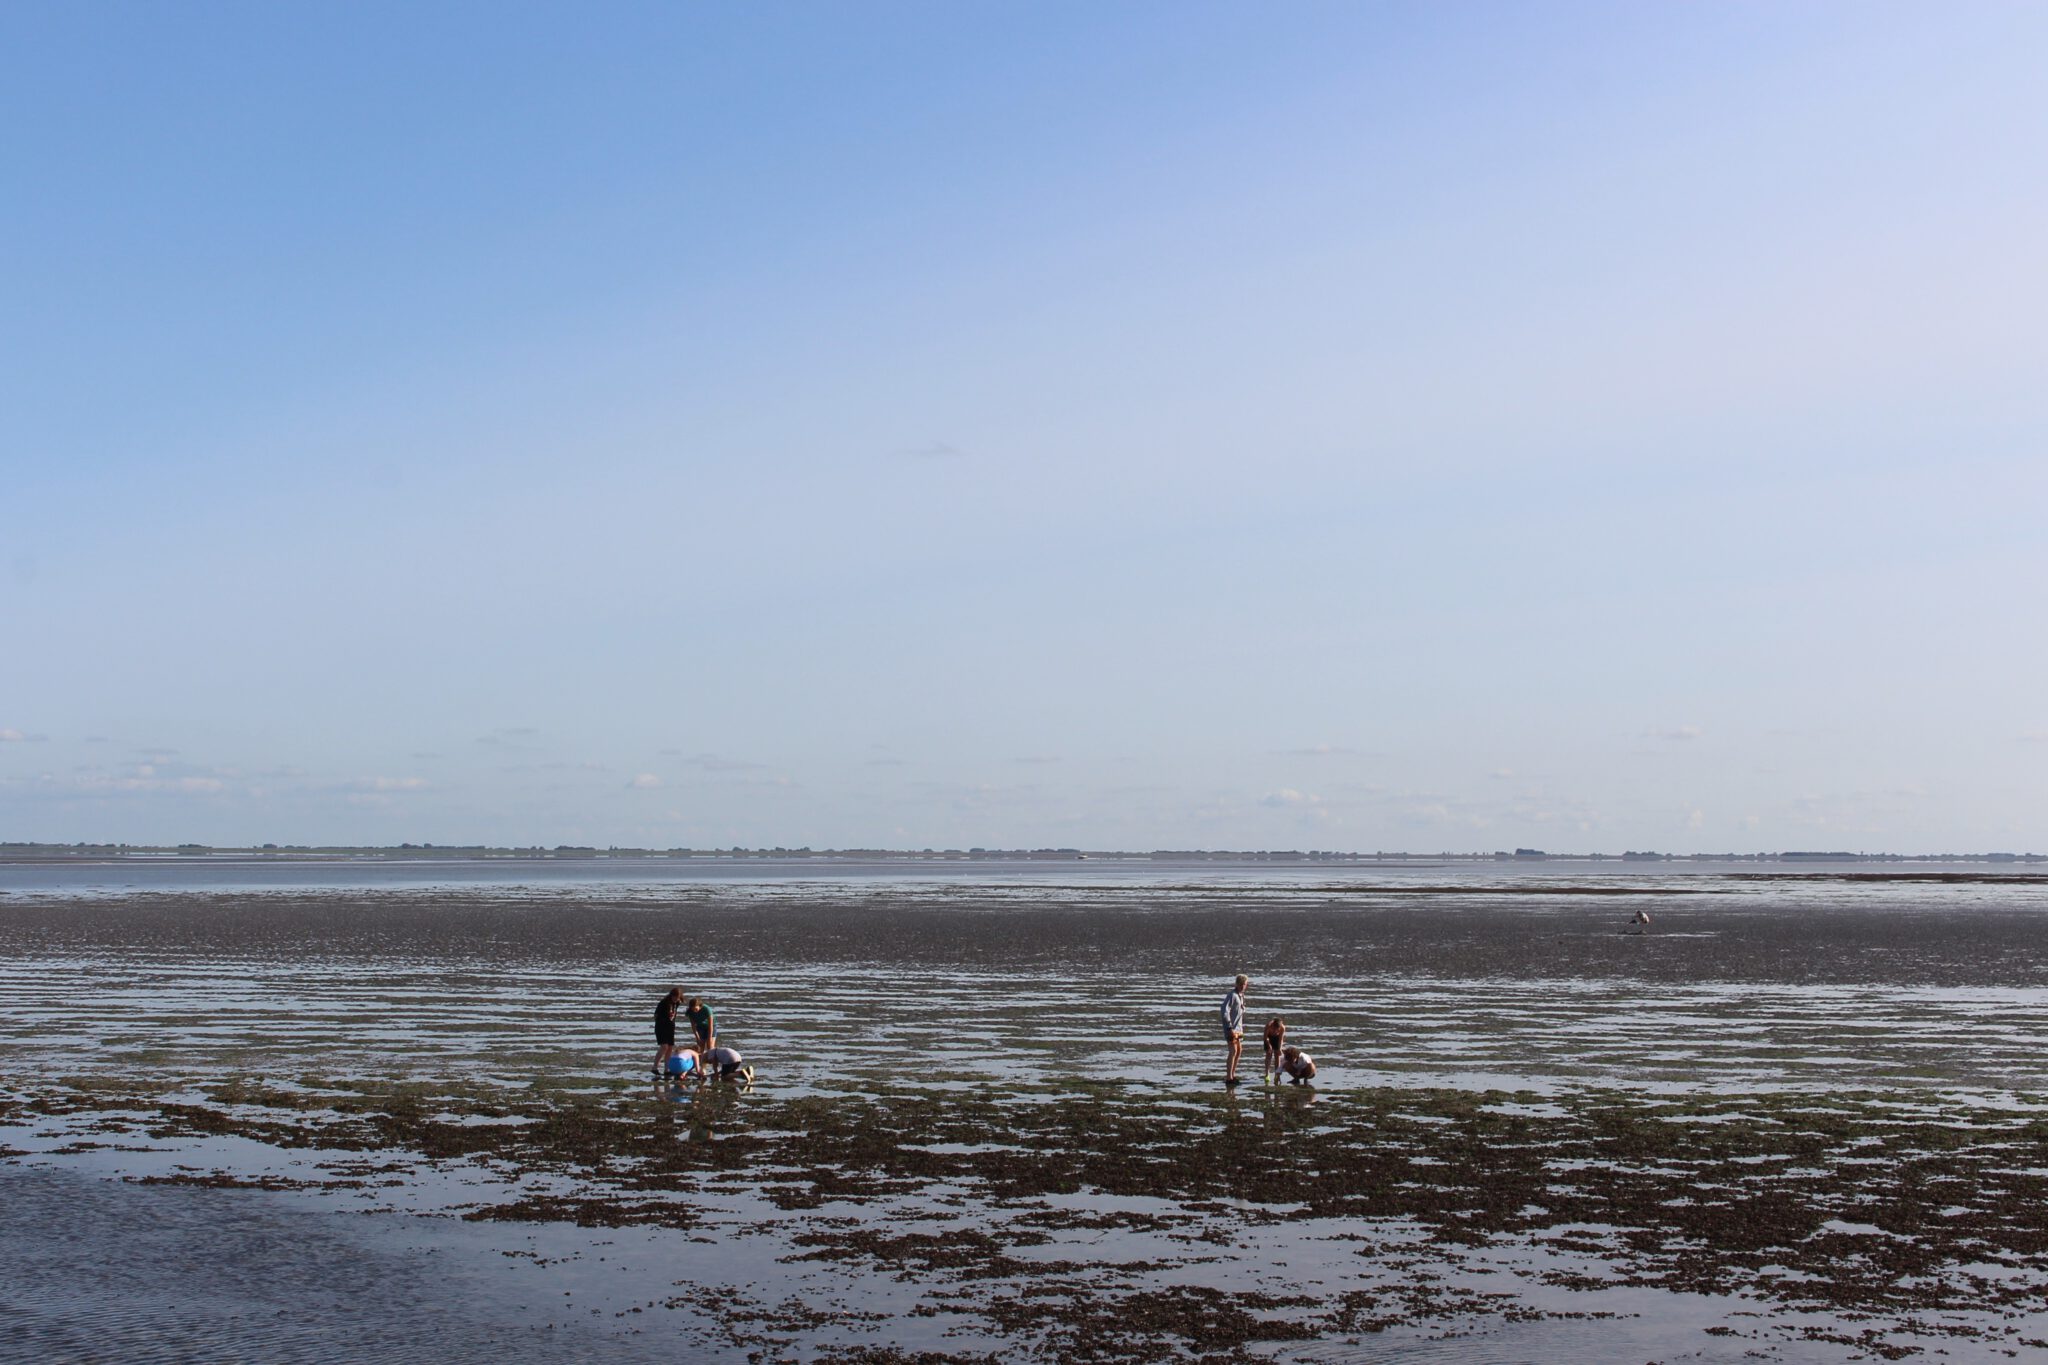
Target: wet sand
(1798, 1120)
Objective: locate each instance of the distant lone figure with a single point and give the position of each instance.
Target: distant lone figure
(1298, 1065)
(665, 1028)
(1233, 1027)
(1640, 920)
(1276, 1038)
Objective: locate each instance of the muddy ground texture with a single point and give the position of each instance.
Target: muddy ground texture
(1034, 1211)
(1883, 1220)
(1847, 929)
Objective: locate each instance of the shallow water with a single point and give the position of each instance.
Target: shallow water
(1775, 983)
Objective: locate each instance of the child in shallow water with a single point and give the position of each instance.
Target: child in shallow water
(1276, 1037)
(1297, 1064)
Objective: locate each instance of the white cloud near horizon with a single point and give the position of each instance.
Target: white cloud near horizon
(1677, 733)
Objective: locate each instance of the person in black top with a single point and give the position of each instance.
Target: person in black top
(665, 1028)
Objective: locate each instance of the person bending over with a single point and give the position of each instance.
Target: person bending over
(1276, 1038)
(1297, 1064)
(699, 1015)
(724, 1063)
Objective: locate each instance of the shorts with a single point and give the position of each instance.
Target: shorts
(1231, 1035)
(665, 1034)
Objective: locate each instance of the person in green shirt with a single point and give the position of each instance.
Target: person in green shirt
(699, 1015)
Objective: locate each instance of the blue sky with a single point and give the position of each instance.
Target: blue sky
(1334, 426)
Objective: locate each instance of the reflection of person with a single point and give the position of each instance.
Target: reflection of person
(1276, 1037)
(699, 1015)
(1298, 1064)
(1233, 1026)
(726, 1061)
(665, 1028)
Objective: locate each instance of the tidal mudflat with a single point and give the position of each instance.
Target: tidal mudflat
(1803, 1118)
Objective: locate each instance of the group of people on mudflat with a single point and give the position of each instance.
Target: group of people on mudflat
(675, 1062)
(1282, 1057)
(678, 1063)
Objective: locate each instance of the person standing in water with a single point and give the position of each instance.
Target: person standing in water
(665, 1028)
(699, 1015)
(1276, 1038)
(1233, 1027)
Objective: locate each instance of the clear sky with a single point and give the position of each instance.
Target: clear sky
(1346, 426)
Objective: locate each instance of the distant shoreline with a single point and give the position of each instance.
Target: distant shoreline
(413, 853)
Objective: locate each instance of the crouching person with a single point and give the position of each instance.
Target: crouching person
(724, 1063)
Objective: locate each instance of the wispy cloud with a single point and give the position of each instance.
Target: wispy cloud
(1320, 751)
(387, 784)
(722, 763)
(1675, 733)
(510, 737)
(644, 782)
(19, 737)
(1289, 798)
(934, 450)
(374, 797)
(143, 781)
(976, 796)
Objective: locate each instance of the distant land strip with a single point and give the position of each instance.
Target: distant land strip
(25, 852)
